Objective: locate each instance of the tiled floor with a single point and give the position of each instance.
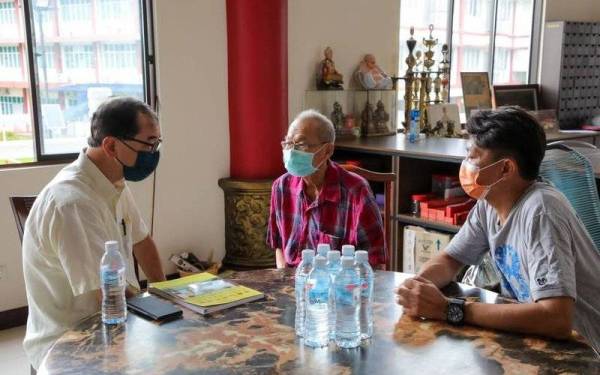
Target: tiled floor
(12, 357)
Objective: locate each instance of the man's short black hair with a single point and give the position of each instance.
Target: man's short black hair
(118, 117)
(510, 132)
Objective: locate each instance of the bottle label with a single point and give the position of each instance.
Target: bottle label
(113, 277)
(364, 288)
(348, 294)
(317, 294)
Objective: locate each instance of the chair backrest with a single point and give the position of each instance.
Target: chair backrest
(21, 207)
(571, 173)
(388, 180)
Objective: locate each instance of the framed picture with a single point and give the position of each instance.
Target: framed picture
(476, 91)
(525, 96)
(444, 120)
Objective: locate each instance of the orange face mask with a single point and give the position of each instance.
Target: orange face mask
(477, 182)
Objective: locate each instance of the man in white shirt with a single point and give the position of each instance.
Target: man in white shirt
(85, 205)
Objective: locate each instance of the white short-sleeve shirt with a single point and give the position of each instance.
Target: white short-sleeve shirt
(63, 244)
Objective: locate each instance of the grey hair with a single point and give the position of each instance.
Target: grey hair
(325, 129)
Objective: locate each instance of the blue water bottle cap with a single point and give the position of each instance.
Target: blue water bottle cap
(323, 249)
(361, 256)
(111, 245)
(308, 254)
(333, 255)
(348, 250)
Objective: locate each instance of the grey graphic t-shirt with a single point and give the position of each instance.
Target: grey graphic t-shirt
(542, 251)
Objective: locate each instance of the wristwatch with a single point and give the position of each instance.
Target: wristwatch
(455, 313)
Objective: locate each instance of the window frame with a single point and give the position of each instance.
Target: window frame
(148, 78)
(536, 30)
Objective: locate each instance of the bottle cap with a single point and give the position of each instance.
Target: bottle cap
(347, 262)
(308, 254)
(348, 250)
(362, 256)
(111, 245)
(320, 261)
(333, 255)
(323, 248)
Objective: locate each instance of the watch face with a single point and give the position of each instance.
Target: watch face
(455, 313)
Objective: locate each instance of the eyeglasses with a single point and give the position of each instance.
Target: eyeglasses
(154, 147)
(301, 146)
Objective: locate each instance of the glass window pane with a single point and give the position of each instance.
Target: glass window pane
(420, 14)
(16, 135)
(513, 41)
(81, 70)
(470, 43)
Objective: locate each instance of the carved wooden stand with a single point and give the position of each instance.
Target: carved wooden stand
(246, 216)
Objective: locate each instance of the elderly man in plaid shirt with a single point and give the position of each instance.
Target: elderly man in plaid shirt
(318, 201)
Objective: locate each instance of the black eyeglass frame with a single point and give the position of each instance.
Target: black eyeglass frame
(154, 146)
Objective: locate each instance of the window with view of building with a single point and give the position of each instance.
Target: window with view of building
(114, 9)
(75, 10)
(10, 105)
(9, 56)
(79, 56)
(119, 56)
(78, 61)
(486, 35)
(7, 14)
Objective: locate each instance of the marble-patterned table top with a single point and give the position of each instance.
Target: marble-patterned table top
(258, 338)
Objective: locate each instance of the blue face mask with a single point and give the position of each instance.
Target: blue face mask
(299, 163)
(145, 163)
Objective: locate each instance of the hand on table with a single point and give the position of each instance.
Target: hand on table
(421, 299)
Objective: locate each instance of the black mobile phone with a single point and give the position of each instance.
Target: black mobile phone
(154, 308)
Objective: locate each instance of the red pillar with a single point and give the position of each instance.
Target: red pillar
(258, 100)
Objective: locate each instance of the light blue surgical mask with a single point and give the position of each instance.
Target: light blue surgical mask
(299, 163)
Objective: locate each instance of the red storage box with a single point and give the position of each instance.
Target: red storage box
(453, 209)
(436, 209)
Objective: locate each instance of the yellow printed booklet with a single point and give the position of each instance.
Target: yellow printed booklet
(204, 293)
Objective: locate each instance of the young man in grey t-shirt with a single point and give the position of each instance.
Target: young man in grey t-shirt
(544, 256)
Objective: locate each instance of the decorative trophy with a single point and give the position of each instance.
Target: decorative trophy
(437, 87)
(422, 84)
(409, 78)
(430, 44)
(426, 80)
(444, 69)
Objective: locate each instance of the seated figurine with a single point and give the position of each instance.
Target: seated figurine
(371, 76)
(328, 77)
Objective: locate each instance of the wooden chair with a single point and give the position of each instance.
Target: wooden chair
(21, 206)
(388, 180)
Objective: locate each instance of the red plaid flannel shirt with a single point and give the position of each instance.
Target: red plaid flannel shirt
(345, 212)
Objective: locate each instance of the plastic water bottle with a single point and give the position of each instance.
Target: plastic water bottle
(318, 286)
(348, 251)
(302, 272)
(366, 275)
(112, 279)
(413, 130)
(334, 265)
(347, 305)
(323, 249)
